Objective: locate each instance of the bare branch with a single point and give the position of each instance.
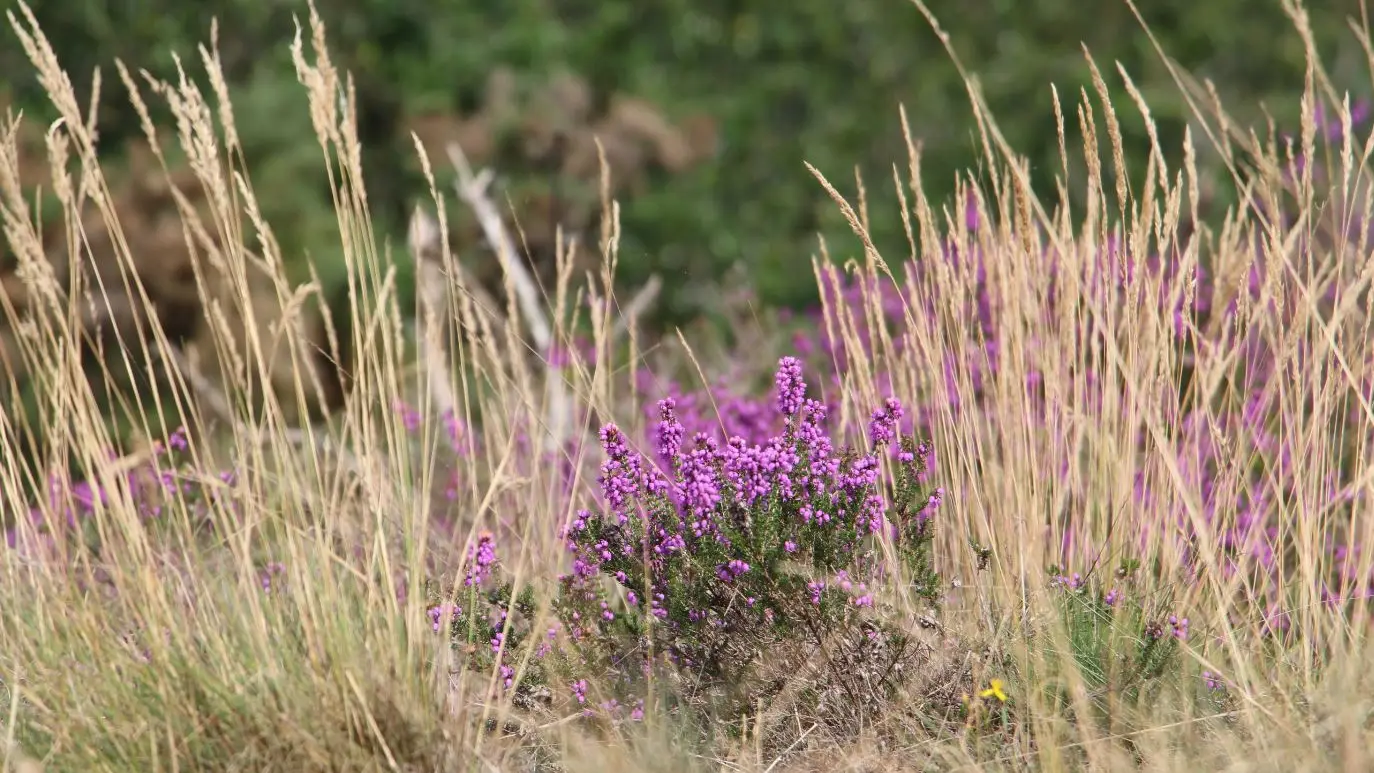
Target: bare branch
(472, 189)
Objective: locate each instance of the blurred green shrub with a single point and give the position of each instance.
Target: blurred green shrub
(788, 81)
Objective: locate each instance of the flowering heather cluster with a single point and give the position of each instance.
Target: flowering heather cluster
(725, 539)
(1240, 427)
(270, 576)
(152, 485)
(719, 411)
(477, 622)
(481, 558)
(1213, 681)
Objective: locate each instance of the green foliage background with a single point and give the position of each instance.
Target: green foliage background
(813, 80)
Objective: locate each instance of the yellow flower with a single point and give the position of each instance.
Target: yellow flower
(994, 691)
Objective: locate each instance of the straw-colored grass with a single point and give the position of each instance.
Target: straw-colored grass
(150, 645)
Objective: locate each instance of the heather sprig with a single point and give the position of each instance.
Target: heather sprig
(487, 622)
(1124, 633)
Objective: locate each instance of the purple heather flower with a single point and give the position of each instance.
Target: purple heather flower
(755, 472)
(670, 431)
(481, 557)
(1068, 582)
(558, 356)
(732, 570)
(85, 495)
(924, 453)
(932, 505)
(437, 614)
(1179, 627)
(1213, 681)
(456, 431)
(579, 690)
(791, 387)
(272, 569)
(700, 487)
(1112, 597)
(410, 418)
(579, 522)
(882, 429)
(622, 475)
(177, 441)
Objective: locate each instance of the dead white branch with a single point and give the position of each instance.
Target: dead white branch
(472, 190)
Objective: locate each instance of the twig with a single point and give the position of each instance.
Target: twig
(472, 189)
(778, 760)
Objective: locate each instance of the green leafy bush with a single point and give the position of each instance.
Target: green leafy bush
(804, 80)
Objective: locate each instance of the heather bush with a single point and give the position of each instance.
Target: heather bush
(477, 618)
(706, 559)
(165, 486)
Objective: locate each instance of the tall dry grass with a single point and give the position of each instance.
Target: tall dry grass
(148, 644)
